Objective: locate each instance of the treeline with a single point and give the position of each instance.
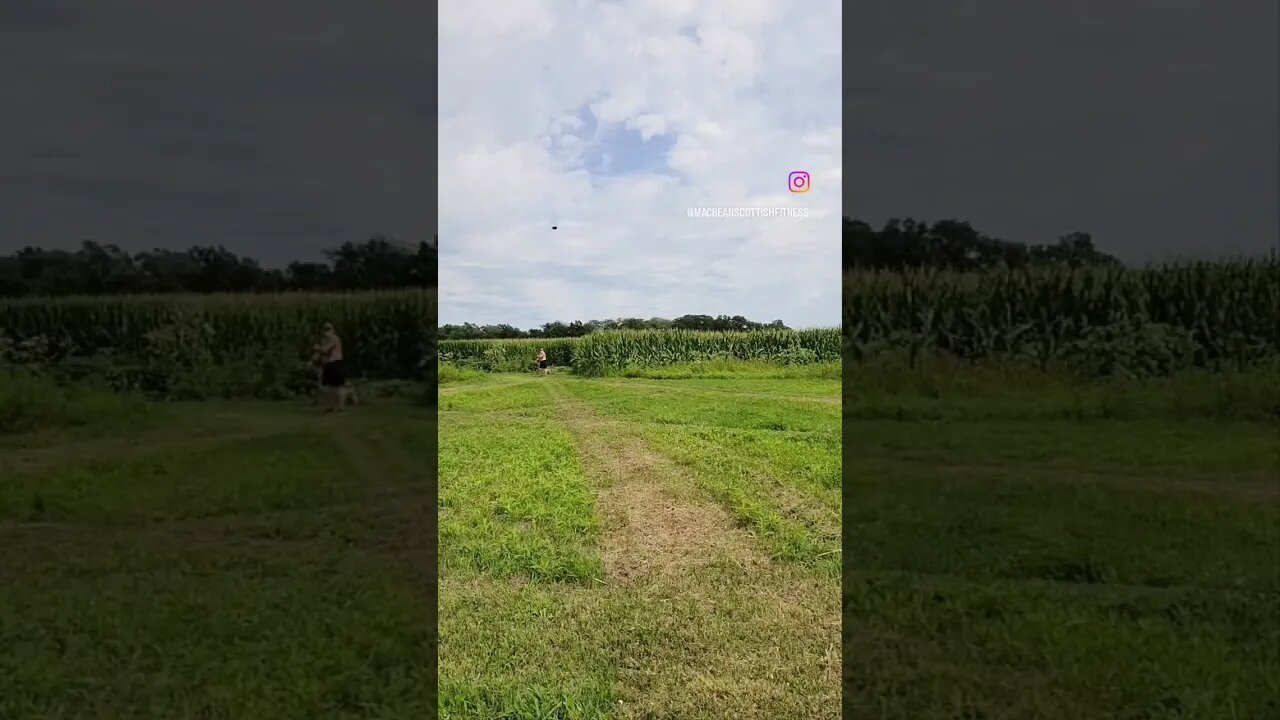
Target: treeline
(378, 263)
(381, 263)
(956, 245)
(577, 328)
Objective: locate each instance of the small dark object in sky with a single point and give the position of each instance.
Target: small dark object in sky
(553, 227)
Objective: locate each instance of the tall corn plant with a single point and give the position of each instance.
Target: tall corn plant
(601, 351)
(385, 334)
(1230, 310)
(509, 354)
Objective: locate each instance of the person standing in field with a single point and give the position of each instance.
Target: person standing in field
(333, 374)
(542, 362)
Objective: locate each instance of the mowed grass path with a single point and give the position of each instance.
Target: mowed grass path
(223, 560)
(1006, 564)
(638, 549)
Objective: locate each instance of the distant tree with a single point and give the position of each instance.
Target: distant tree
(1075, 249)
(375, 264)
(578, 328)
(954, 245)
(554, 329)
(693, 322)
(309, 276)
(380, 262)
(424, 271)
(465, 331)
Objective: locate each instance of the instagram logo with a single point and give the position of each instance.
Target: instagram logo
(798, 181)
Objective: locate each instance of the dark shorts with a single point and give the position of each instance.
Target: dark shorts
(333, 374)
(542, 364)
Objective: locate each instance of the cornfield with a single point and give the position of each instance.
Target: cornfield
(603, 350)
(512, 354)
(1209, 314)
(385, 334)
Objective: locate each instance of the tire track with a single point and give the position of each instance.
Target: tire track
(724, 632)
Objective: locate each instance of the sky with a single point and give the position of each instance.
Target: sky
(609, 120)
(277, 129)
(283, 128)
(1151, 124)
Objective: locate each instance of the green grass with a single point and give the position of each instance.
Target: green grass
(1010, 556)
(526, 651)
(673, 406)
(516, 395)
(940, 647)
(792, 387)
(449, 374)
(518, 529)
(256, 474)
(513, 501)
(233, 560)
(524, 541)
(775, 464)
(29, 403)
(937, 388)
(796, 517)
(732, 369)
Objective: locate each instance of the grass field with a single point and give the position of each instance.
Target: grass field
(667, 538)
(1020, 548)
(219, 560)
(639, 548)
(1016, 544)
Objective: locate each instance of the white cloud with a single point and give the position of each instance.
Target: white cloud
(648, 125)
(735, 93)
